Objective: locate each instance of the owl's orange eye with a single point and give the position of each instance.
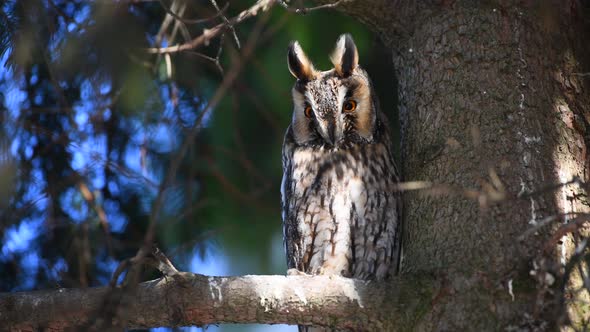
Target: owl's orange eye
(349, 106)
(308, 111)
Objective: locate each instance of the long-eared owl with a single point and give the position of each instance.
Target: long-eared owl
(341, 212)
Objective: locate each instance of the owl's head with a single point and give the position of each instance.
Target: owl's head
(333, 108)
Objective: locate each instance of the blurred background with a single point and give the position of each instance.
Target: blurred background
(101, 135)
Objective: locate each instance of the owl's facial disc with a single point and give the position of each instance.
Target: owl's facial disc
(333, 111)
(334, 107)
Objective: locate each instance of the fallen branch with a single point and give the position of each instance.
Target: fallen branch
(192, 299)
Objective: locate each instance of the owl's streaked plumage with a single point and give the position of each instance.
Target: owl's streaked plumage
(341, 213)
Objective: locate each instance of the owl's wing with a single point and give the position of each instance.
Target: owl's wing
(392, 215)
(290, 231)
(396, 250)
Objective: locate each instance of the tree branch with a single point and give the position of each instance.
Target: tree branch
(208, 34)
(305, 10)
(192, 299)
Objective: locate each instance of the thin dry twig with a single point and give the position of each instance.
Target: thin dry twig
(228, 23)
(126, 264)
(163, 264)
(178, 17)
(208, 34)
(90, 199)
(304, 10)
(546, 221)
(217, 59)
(487, 195)
(551, 187)
(581, 221)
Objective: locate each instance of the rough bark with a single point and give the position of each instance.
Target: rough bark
(485, 89)
(190, 299)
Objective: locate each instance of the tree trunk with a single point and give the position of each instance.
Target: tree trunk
(491, 101)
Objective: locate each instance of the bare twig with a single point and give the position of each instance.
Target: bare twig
(179, 25)
(135, 261)
(216, 60)
(489, 194)
(163, 263)
(228, 23)
(178, 17)
(157, 260)
(102, 216)
(305, 10)
(546, 221)
(123, 265)
(581, 221)
(551, 187)
(164, 26)
(208, 34)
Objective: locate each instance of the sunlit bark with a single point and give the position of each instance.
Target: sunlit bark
(190, 299)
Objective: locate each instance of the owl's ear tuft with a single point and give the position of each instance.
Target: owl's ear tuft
(299, 64)
(345, 56)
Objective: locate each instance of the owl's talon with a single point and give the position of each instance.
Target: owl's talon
(295, 272)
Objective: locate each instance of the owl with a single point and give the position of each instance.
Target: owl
(340, 210)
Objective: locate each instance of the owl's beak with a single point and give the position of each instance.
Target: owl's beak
(330, 128)
(331, 133)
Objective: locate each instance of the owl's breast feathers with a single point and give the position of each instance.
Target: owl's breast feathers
(340, 209)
